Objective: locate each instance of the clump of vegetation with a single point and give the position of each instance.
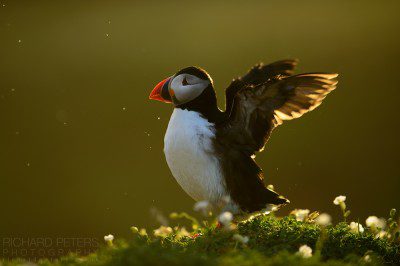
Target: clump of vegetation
(302, 238)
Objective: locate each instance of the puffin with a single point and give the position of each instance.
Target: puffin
(210, 152)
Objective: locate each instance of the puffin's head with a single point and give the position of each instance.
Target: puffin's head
(183, 87)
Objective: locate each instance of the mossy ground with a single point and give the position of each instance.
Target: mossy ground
(272, 241)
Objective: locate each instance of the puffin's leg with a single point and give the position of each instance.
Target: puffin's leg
(195, 235)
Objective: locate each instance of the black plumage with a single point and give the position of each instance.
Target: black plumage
(256, 104)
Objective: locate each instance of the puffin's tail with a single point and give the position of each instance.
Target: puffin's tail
(271, 197)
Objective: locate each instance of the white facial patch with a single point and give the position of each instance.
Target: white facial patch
(187, 87)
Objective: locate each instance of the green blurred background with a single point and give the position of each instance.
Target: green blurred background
(81, 146)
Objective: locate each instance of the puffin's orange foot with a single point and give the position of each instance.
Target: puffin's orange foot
(219, 225)
(195, 235)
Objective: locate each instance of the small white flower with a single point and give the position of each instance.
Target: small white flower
(339, 199)
(163, 231)
(323, 219)
(301, 214)
(225, 218)
(109, 238)
(305, 251)
(202, 206)
(241, 239)
(182, 232)
(143, 232)
(134, 229)
(356, 227)
(373, 221)
(381, 234)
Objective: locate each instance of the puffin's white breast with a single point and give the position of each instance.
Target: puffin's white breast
(189, 151)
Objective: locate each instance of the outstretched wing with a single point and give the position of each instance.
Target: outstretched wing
(257, 110)
(259, 74)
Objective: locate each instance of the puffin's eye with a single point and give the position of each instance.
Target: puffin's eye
(184, 81)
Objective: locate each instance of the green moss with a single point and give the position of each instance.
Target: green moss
(273, 241)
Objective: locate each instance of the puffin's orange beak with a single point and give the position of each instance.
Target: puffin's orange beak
(160, 92)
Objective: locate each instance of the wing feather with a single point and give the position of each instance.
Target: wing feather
(258, 109)
(259, 74)
(311, 89)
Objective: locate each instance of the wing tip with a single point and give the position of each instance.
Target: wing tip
(333, 75)
(326, 75)
(290, 61)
